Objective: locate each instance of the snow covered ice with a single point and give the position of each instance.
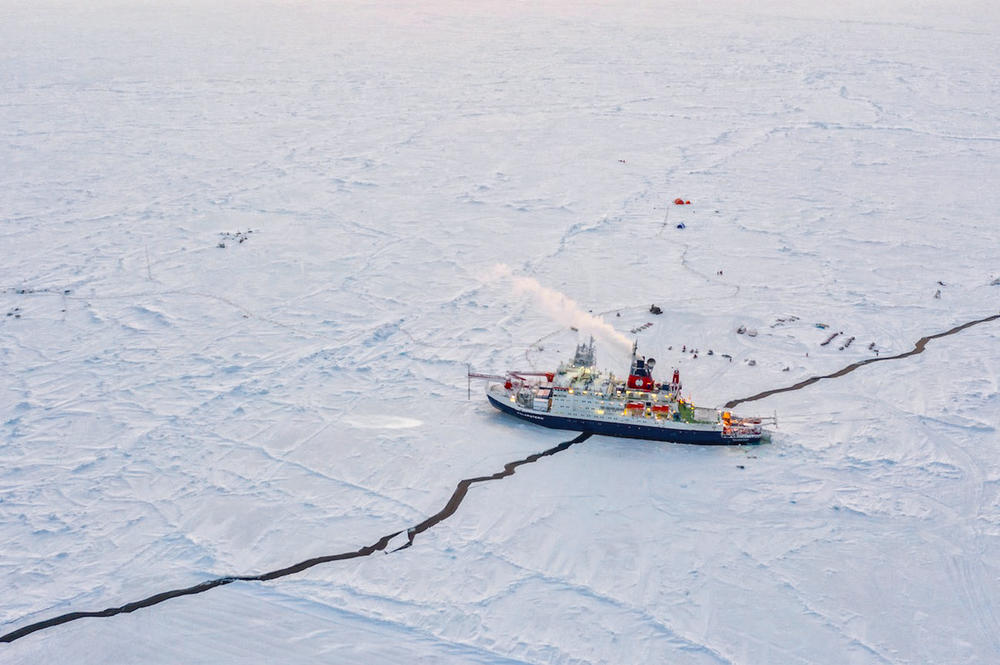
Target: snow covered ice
(175, 411)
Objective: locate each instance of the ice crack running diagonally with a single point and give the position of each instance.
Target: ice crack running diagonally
(449, 509)
(917, 348)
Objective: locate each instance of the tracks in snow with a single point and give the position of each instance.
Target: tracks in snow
(461, 490)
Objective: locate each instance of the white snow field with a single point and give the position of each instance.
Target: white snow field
(173, 411)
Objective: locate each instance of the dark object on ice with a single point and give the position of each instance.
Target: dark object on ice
(740, 466)
(678, 202)
(940, 283)
(779, 322)
(751, 362)
(653, 309)
(726, 355)
(821, 326)
(741, 330)
(681, 226)
(995, 282)
(618, 314)
(830, 338)
(937, 294)
(787, 369)
(710, 352)
(239, 236)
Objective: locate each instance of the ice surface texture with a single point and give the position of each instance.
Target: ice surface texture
(174, 412)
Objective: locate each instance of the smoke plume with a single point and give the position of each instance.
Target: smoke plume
(565, 310)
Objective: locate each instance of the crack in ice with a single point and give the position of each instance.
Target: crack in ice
(449, 509)
(917, 349)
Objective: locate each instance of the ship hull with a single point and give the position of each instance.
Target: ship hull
(619, 429)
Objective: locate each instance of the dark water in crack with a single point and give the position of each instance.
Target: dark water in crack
(449, 509)
(917, 348)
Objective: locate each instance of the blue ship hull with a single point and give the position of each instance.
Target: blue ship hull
(698, 437)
